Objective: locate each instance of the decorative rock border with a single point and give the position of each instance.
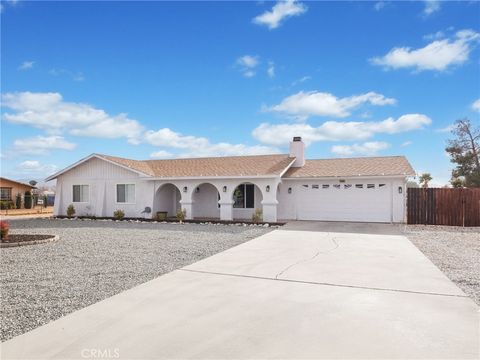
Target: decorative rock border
(31, 242)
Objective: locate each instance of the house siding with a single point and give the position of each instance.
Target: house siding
(102, 178)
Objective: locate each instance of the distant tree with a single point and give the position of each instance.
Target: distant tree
(424, 179)
(412, 184)
(464, 152)
(456, 182)
(32, 182)
(18, 201)
(27, 200)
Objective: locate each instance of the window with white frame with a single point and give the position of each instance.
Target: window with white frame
(80, 193)
(244, 196)
(5, 193)
(126, 193)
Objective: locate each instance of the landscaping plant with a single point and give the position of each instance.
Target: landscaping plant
(7, 205)
(70, 210)
(181, 214)
(119, 214)
(45, 199)
(27, 201)
(18, 201)
(257, 216)
(4, 227)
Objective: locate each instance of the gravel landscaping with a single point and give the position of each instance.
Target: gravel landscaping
(94, 260)
(454, 250)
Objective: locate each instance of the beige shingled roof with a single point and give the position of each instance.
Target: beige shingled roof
(214, 166)
(365, 166)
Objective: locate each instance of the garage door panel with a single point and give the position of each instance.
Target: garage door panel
(344, 204)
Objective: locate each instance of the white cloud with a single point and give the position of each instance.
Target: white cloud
(35, 168)
(161, 154)
(271, 69)
(476, 105)
(406, 143)
(247, 64)
(49, 112)
(439, 55)
(26, 65)
(314, 103)
(41, 145)
(367, 148)
(301, 80)
(379, 5)
(75, 76)
(446, 129)
(280, 11)
(431, 6)
(193, 146)
(281, 134)
(435, 36)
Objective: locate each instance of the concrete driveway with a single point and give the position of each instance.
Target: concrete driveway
(292, 293)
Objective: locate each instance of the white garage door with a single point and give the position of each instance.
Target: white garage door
(362, 201)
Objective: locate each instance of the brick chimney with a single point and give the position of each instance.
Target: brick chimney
(297, 150)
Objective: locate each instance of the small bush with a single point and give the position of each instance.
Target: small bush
(27, 201)
(70, 210)
(45, 199)
(257, 216)
(18, 201)
(161, 215)
(7, 205)
(119, 214)
(4, 228)
(181, 214)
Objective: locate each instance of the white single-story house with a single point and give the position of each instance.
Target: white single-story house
(284, 187)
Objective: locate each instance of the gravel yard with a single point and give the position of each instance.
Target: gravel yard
(94, 260)
(454, 250)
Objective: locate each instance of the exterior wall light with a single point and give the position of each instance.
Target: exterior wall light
(400, 190)
(224, 189)
(289, 190)
(197, 189)
(185, 189)
(267, 188)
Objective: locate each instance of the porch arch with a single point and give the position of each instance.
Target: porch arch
(167, 198)
(247, 197)
(205, 201)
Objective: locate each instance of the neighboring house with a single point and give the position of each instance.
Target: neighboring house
(284, 187)
(10, 188)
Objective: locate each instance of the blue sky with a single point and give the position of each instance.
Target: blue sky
(162, 79)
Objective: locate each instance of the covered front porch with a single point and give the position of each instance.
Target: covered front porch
(226, 199)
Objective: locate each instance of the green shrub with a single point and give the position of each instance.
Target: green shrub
(27, 201)
(7, 205)
(181, 214)
(70, 210)
(257, 216)
(18, 201)
(45, 199)
(119, 214)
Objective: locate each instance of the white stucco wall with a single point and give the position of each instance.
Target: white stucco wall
(102, 178)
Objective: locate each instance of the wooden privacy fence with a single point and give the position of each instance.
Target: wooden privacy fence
(454, 207)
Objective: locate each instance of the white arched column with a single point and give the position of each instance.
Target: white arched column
(187, 206)
(269, 210)
(270, 202)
